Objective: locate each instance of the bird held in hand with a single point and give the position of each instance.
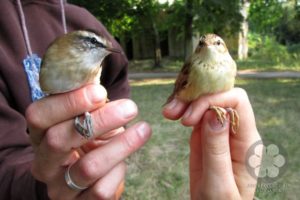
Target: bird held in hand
(209, 70)
(72, 61)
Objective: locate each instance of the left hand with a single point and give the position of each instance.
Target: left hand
(97, 164)
(217, 161)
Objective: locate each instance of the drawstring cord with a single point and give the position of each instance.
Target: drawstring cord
(63, 16)
(24, 27)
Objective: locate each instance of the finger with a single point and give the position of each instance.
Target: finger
(63, 137)
(236, 98)
(53, 109)
(215, 145)
(98, 162)
(216, 158)
(174, 109)
(100, 141)
(111, 186)
(196, 167)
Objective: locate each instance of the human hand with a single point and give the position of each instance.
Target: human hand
(218, 158)
(96, 164)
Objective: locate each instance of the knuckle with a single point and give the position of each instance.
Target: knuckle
(54, 141)
(128, 142)
(32, 117)
(217, 148)
(101, 119)
(88, 170)
(72, 102)
(242, 93)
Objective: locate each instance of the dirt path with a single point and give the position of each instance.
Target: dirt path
(241, 74)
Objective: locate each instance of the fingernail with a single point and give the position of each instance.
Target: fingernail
(172, 104)
(96, 94)
(128, 109)
(215, 124)
(188, 112)
(143, 130)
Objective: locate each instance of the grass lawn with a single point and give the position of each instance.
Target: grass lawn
(171, 65)
(160, 169)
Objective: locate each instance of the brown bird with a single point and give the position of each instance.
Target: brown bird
(209, 70)
(72, 61)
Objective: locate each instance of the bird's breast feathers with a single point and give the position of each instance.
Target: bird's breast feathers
(208, 77)
(67, 78)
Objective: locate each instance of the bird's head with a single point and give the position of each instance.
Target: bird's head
(83, 47)
(211, 44)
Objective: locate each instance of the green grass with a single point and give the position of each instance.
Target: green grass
(171, 65)
(160, 169)
(268, 65)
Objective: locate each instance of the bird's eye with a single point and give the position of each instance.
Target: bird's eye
(94, 40)
(96, 43)
(218, 42)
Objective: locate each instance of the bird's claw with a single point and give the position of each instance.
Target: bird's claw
(85, 128)
(221, 116)
(234, 120)
(220, 112)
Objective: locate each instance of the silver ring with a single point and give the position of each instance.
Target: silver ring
(71, 183)
(85, 129)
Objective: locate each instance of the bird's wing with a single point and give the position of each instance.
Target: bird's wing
(181, 81)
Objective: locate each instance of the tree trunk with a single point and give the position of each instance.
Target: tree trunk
(157, 56)
(188, 29)
(243, 41)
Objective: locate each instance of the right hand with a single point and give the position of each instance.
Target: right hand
(97, 164)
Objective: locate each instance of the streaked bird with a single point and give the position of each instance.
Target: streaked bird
(209, 70)
(72, 61)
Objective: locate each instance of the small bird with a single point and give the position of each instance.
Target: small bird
(72, 61)
(209, 70)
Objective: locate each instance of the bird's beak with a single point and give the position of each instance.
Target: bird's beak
(113, 50)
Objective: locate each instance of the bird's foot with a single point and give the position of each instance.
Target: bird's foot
(221, 116)
(234, 120)
(220, 112)
(85, 128)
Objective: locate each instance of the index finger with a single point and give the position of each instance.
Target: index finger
(54, 109)
(236, 98)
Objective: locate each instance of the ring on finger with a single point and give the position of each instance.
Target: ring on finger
(71, 184)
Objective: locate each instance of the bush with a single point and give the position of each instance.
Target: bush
(267, 48)
(294, 50)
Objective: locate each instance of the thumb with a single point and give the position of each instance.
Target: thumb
(215, 148)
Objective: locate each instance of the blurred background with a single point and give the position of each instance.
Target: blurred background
(169, 29)
(263, 36)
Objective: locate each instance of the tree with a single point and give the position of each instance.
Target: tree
(288, 29)
(188, 28)
(264, 15)
(200, 16)
(190, 17)
(149, 16)
(243, 34)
